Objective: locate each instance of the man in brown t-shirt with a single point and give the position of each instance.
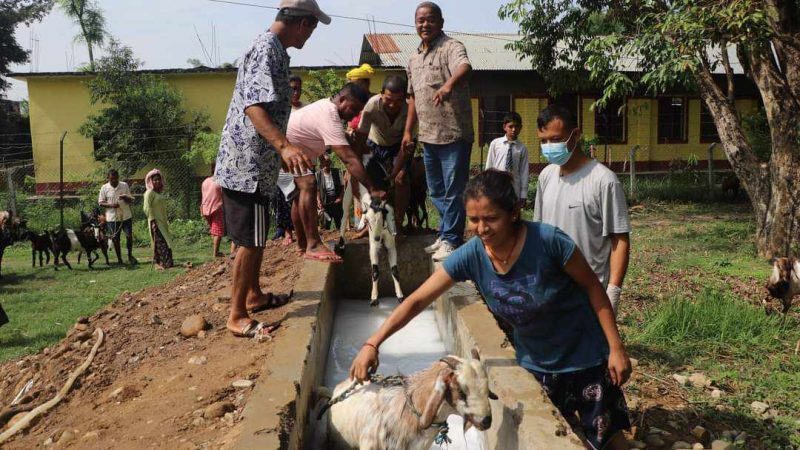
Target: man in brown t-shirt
(439, 98)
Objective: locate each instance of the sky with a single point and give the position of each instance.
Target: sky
(162, 32)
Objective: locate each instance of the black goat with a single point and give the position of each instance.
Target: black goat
(10, 228)
(41, 244)
(417, 212)
(88, 239)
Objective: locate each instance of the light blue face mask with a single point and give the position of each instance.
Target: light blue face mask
(557, 152)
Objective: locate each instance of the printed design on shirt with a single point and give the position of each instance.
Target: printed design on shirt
(515, 300)
(601, 424)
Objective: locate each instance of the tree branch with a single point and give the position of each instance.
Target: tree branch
(726, 63)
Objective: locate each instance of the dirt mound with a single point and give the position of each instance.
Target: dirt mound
(148, 385)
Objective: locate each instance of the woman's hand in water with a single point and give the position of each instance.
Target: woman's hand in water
(366, 362)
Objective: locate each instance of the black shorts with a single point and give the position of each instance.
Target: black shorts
(589, 392)
(246, 217)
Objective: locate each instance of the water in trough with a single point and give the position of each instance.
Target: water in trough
(414, 348)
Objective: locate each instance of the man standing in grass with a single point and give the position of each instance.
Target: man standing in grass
(252, 149)
(115, 196)
(439, 96)
(584, 198)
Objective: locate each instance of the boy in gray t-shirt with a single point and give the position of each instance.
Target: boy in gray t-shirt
(583, 198)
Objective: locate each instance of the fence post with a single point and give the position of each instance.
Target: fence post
(632, 157)
(12, 192)
(61, 178)
(711, 170)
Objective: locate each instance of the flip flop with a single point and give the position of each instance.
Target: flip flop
(325, 256)
(256, 330)
(275, 301)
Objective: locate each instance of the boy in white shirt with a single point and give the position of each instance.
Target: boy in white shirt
(508, 154)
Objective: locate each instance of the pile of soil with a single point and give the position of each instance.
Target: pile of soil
(149, 386)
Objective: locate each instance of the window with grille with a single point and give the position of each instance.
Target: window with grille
(672, 120)
(708, 129)
(490, 119)
(610, 123)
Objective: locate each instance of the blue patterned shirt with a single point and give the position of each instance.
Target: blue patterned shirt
(246, 161)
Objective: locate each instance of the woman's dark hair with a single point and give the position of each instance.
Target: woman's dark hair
(497, 186)
(295, 79)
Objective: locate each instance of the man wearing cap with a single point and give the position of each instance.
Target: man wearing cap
(252, 149)
(439, 96)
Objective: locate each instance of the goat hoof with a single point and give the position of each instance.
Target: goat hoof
(374, 303)
(400, 299)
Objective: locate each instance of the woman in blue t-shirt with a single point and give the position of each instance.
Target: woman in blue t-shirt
(534, 277)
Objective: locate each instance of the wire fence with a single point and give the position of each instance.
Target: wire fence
(34, 191)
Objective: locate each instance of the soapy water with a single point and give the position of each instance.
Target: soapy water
(411, 349)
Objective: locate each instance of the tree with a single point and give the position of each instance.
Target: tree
(88, 15)
(13, 13)
(684, 43)
(323, 84)
(144, 118)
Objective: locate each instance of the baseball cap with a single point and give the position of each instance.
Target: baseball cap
(306, 7)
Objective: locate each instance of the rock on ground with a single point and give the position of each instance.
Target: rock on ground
(193, 325)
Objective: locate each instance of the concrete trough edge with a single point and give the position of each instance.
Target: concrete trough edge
(524, 417)
(277, 412)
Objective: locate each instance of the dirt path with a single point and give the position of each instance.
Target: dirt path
(142, 391)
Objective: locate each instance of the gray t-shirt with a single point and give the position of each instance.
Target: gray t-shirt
(589, 205)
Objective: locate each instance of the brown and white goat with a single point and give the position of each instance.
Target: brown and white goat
(784, 282)
(376, 417)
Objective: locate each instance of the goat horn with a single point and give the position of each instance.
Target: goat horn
(451, 362)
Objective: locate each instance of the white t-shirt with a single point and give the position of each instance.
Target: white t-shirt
(109, 194)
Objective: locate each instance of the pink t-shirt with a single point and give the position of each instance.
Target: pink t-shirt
(212, 197)
(315, 127)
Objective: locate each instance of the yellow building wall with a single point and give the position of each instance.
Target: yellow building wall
(642, 130)
(58, 105)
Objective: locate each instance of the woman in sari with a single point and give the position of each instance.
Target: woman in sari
(155, 206)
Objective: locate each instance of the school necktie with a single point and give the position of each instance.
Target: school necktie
(510, 157)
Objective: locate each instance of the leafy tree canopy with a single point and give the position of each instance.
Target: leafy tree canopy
(144, 118)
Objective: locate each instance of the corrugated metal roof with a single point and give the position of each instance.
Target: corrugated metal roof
(487, 51)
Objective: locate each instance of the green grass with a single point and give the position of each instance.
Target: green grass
(43, 303)
(692, 298)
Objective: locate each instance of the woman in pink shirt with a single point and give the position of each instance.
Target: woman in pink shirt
(211, 209)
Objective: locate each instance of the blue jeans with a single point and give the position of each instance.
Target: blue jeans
(447, 172)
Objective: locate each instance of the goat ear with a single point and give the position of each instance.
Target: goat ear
(434, 402)
(475, 355)
(451, 362)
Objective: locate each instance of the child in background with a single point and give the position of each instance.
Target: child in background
(509, 155)
(155, 206)
(211, 209)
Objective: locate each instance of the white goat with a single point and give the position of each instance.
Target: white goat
(382, 228)
(784, 282)
(407, 417)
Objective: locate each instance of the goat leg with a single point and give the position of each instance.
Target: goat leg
(33, 258)
(391, 249)
(375, 275)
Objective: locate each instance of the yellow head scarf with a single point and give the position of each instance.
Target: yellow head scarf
(360, 73)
